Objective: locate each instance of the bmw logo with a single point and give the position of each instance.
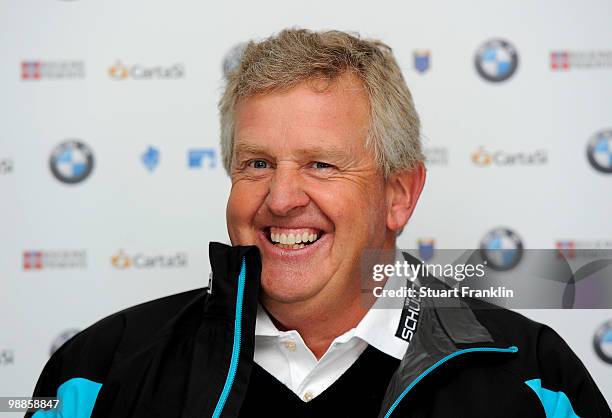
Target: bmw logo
(599, 151)
(62, 338)
(496, 60)
(71, 162)
(502, 249)
(603, 342)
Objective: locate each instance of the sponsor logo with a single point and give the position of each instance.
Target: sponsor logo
(426, 248)
(599, 151)
(62, 338)
(71, 162)
(566, 249)
(568, 60)
(559, 60)
(59, 259)
(150, 158)
(422, 60)
(496, 60)
(603, 342)
(6, 166)
(196, 158)
(501, 249)
(52, 70)
(123, 261)
(436, 156)
(7, 357)
(594, 248)
(484, 158)
(232, 58)
(120, 71)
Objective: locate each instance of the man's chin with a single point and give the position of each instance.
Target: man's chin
(288, 286)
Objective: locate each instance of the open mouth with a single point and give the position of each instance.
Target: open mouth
(293, 238)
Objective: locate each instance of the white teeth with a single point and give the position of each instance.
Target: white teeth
(291, 240)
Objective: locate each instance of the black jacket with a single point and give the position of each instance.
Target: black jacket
(191, 354)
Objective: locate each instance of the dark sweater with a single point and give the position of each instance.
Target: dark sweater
(357, 393)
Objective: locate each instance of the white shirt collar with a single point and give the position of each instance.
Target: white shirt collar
(264, 327)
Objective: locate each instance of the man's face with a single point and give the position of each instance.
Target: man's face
(306, 191)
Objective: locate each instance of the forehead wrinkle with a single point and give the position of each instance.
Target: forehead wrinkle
(314, 151)
(318, 151)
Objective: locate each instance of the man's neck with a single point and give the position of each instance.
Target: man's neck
(317, 325)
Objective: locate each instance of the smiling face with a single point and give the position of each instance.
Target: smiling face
(306, 191)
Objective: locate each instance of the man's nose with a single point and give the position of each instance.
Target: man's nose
(286, 192)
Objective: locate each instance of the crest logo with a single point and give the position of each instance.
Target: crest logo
(422, 59)
(426, 248)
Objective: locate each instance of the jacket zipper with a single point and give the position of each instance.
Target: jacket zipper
(437, 364)
(231, 374)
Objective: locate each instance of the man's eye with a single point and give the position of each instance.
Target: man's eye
(320, 164)
(258, 164)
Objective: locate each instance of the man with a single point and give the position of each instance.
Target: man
(321, 140)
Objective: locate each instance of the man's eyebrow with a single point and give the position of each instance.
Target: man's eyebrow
(247, 148)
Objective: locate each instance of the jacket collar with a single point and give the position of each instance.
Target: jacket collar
(218, 299)
(225, 262)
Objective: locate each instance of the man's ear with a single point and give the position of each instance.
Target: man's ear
(403, 189)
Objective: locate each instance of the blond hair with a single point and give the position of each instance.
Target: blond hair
(297, 55)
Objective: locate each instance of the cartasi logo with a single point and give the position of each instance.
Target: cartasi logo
(123, 261)
(485, 158)
(119, 71)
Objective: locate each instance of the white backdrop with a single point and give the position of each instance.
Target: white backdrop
(123, 76)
